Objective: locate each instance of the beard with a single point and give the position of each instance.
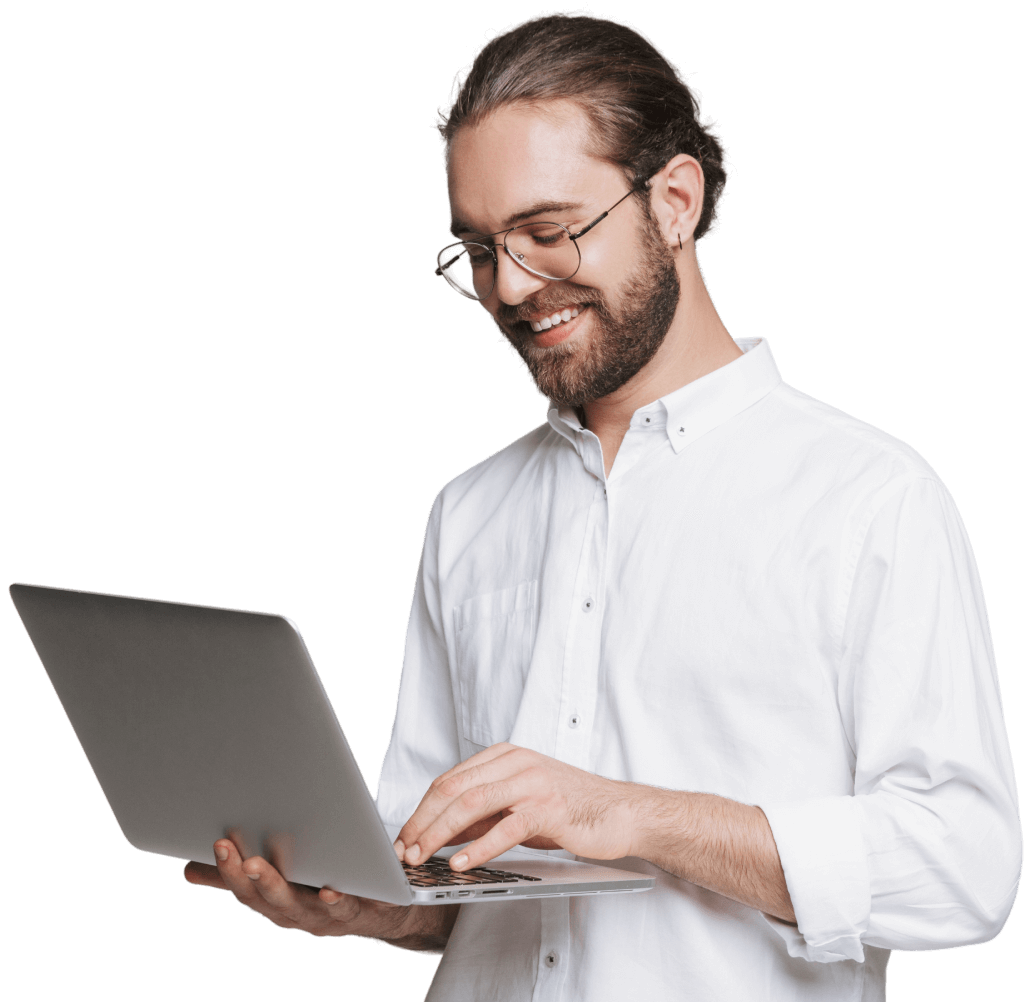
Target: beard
(625, 335)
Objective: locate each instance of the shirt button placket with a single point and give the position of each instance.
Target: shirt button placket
(573, 736)
(554, 955)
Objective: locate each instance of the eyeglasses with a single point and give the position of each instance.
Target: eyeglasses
(548, 250)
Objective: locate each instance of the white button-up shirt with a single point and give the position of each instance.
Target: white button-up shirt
(765, 599)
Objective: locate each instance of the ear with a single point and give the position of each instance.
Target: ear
(678, 192)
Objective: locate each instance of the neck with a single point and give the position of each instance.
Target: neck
(696, 344)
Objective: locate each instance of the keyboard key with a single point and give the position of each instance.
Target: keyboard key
(436, 872)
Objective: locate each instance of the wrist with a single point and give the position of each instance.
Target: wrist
(424, 928)
(662, 823)
(417, 920)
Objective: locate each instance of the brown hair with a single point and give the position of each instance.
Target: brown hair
(642, 112)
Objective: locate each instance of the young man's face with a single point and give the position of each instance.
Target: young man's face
(524, 164)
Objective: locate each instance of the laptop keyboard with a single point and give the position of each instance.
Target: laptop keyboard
(436, 873)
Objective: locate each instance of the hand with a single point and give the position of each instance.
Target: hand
(261, 887)
(506, 796)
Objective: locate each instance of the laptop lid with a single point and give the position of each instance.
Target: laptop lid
(202, 723)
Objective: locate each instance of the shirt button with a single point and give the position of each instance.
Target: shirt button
(587, 605)
(575, 720)
(648, 420)
(680, 430)
(551, 958)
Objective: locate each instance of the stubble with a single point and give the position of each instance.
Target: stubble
(624, 338)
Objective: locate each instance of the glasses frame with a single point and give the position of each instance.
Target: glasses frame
(493, 248)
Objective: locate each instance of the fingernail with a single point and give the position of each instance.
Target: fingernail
(253, 876)
(221, 852)
(459, 861)
(413, 853)
(399, 847)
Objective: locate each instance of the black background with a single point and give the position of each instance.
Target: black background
(234, 379)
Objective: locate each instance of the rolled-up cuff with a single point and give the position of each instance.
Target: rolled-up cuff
(824, 859)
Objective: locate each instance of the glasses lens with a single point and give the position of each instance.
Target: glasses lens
(544, 249)
(468, 268)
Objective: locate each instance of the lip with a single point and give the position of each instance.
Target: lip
(547, 338)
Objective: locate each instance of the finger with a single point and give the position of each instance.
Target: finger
(452, 785)
(204, 874)
(476, 830)
(258, 885)
(454, 789)
(489, 754)
(479, 758)
(229, 867)
(294, 902)
(473, 805)
(509, 832)
(341, 907)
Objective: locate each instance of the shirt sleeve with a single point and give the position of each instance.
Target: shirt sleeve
(926, 852)
(424, 743)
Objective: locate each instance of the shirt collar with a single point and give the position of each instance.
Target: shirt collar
(700, 406)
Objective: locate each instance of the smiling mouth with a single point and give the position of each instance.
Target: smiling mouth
(555, 319)
(553, 328)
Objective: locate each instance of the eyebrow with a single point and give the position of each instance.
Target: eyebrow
(458, 226)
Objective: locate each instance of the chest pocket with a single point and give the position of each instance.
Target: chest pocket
(494, 641)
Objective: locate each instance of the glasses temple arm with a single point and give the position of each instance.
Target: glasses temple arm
(594, 222)
(639, 186)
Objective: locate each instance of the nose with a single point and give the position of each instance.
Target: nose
(513, 283)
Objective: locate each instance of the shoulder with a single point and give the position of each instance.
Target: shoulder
(492, 478)
(851, 448)
(805, 462)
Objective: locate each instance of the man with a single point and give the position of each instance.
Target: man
(698, 623)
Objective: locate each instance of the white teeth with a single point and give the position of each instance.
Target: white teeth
(560, 317)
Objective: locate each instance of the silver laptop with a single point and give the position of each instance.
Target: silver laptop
(204, 723)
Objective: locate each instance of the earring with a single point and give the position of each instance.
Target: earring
(678, 241)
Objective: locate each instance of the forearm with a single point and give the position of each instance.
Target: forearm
(425, 928)
(714, 842)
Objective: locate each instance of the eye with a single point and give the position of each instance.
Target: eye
(545, 234)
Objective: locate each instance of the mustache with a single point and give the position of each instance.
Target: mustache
(548, 302)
